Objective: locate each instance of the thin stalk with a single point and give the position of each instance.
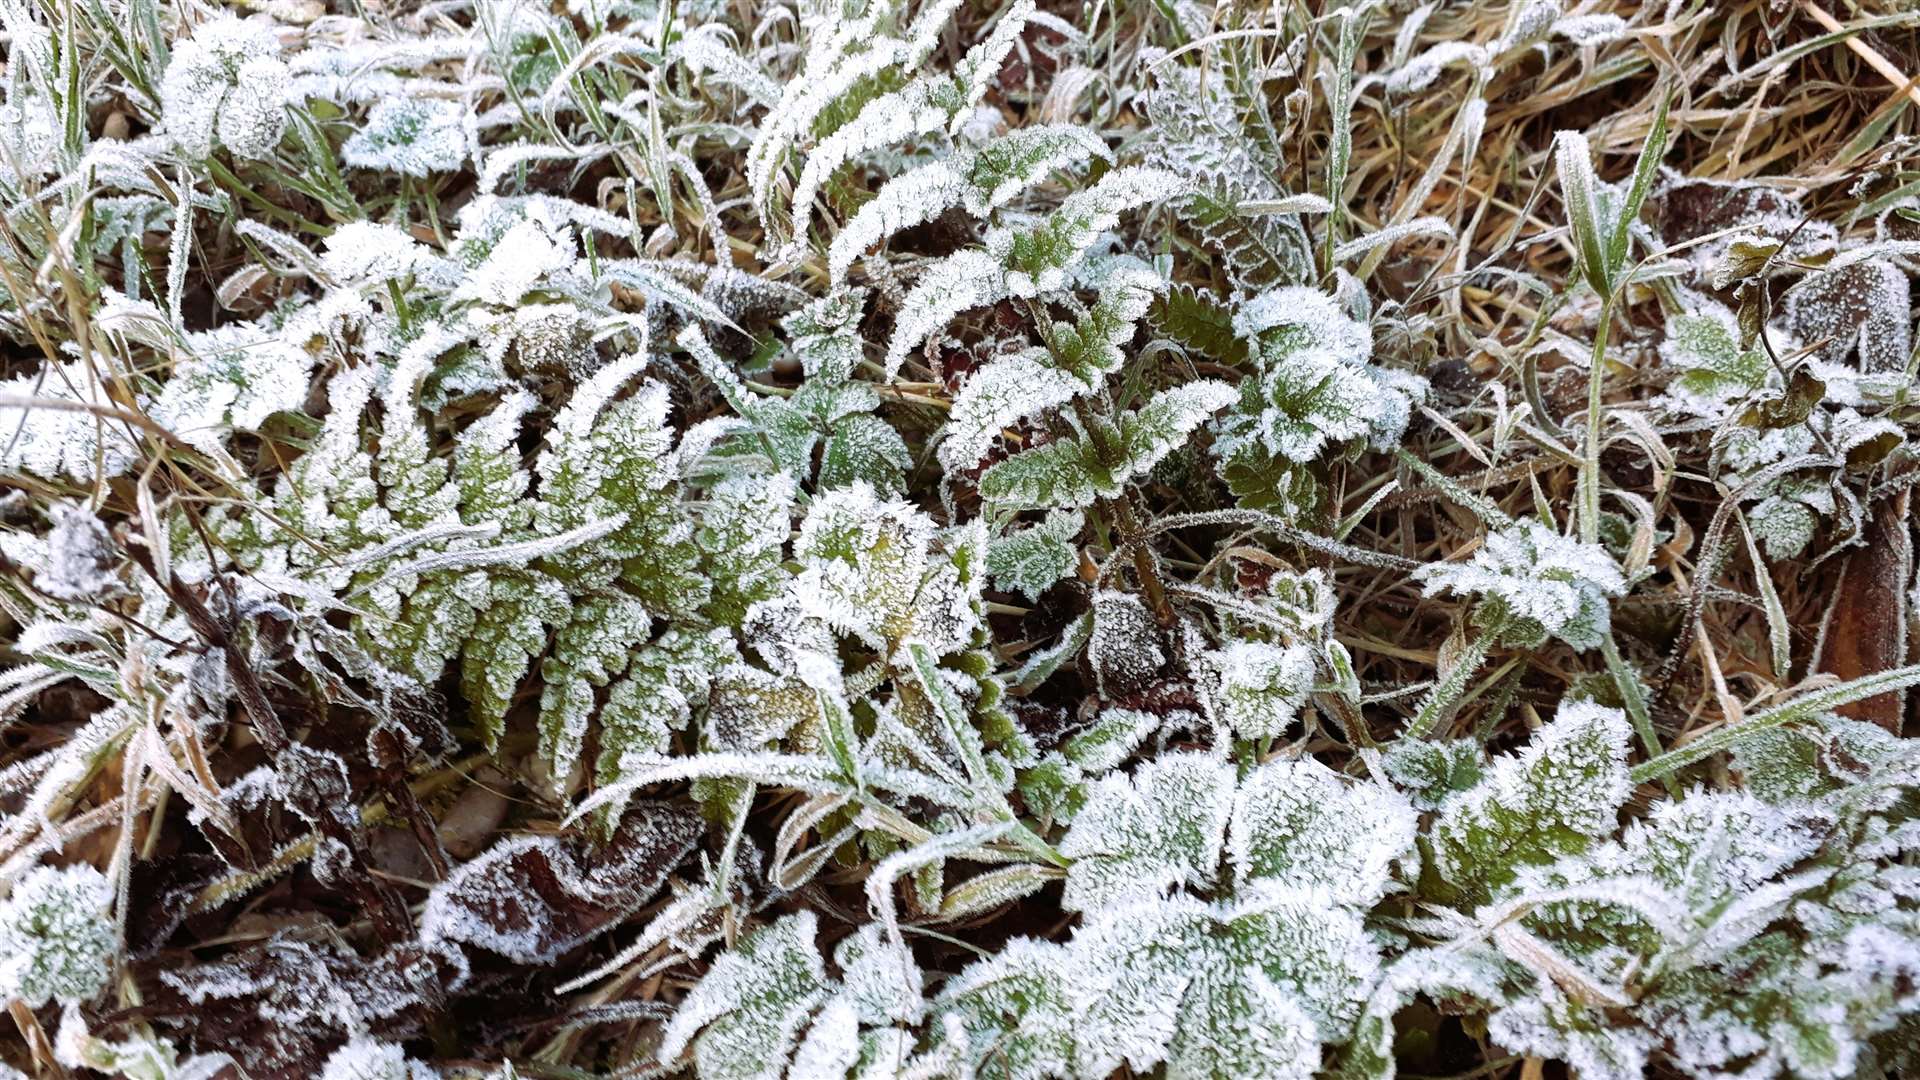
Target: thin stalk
(1439, 702)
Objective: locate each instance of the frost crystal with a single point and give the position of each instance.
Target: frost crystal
(365, 1058)
(57, 938)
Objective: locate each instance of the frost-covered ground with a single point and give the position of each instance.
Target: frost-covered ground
(959, 539)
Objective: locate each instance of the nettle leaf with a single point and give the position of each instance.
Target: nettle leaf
(1029, 561)
(410, 135)
(1162, 826)
(864, 559)
(1252, 990)
(1552, 798)
(1314, 387)
(1016, 1011)
(743, 1018)
(1000, 395)
(1299, 825)
(1037, 260)
(1256, 689)
(232, 379)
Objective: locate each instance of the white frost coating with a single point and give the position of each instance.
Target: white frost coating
(57, 938)
(231, 378)
(960, 281)
(59, 443)
(744, 1015)
(999, 395)
(370, 251)
(226, 86)
(864, 559)
(1549, 582)
(81, 560)
(1316, 317)
(1030, 560)
(1256, 689)
(908, 200)
(1162, 826)
(912, 111)
(412, 136)
(366, 1058)
(1572, 775)
(1299, 825)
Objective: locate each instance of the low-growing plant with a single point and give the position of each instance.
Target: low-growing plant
(883, 539)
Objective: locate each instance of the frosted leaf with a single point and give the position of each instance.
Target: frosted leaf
(743, 1017)
(226, 83)
(1092, 347)
(369, 251)
(1257, 689)
(1590, 30)
(1857, 313)
(57, 936)
(916, 109)
(743, 530)
(825, 334)
(879, 977)
(62, 443)
(1783, 525)
(657, 695)
(1552, 798)
(1313, 385)
(1298, 825)
(1180, 981)
(1429, 770)
(1551, 1025)
(1125, 650)
(1310, 319)
(963, 280)
(1038, 260)
(413, 136)
(532, 899)
(516, 260)
(366, 1058)
(1246, 1027)
(1162, 826)
(863, 561)
(82, 562)
(1713, 371)
(1016, 1012)
(253, 116)
(1004, 167)
(1114, 736)
(831, 1046)
(1537, 583)
(1000, 395)
(863, 448)
(749, 708)
(230, 379)
(1069, 472)
(1031, 560)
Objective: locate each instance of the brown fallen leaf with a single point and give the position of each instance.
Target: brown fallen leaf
(1864, 629)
